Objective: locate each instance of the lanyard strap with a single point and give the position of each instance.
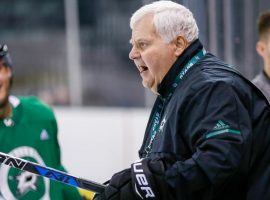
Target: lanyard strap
(164, 101)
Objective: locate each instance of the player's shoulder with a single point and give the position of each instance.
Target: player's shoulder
(213, 71)
(32, 101)
(35, 106)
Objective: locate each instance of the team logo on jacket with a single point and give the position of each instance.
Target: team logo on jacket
(16, 184)
(162, 124)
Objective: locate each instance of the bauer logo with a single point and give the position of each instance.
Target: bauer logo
(142, 186)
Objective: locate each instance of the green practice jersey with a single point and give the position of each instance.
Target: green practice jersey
(31, 134)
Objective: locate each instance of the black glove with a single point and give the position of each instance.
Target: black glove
(119, 188)
(148, 179)
(145, 180)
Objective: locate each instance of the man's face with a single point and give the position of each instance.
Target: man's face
(152, 56)
(5, 76)
(267, 51)
(263, 48)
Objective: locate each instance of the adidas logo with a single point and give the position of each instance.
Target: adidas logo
(220, 125)
(44, 135)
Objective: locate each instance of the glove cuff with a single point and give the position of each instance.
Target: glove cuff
(143, 182)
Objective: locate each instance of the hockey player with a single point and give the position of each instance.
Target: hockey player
(28, 130)
(208, 136)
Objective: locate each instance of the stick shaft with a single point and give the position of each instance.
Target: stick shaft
(50, 173)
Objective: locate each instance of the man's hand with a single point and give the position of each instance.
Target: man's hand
(148, 179)
(144, 180)
(118, 188)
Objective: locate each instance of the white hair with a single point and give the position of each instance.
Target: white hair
(170, 20)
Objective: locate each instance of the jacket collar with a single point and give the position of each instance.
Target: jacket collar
(189, 52)
(265, 76)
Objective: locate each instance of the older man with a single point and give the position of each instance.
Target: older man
(208, 136)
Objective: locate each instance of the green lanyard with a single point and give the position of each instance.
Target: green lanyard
(163, 102)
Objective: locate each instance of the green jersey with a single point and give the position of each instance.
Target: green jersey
(31, 134)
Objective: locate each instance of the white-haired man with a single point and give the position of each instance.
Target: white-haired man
(208, 136)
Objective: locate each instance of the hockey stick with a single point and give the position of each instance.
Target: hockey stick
(50, 173)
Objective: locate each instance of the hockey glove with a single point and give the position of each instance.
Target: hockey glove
(148, 179)
(119, 188)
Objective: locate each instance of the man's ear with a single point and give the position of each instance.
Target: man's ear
(260, 47)
(180, 45)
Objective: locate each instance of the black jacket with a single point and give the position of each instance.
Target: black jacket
(214, 140)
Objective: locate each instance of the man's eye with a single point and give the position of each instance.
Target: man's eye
(142, 45)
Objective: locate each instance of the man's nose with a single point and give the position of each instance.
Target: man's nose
(133, 54)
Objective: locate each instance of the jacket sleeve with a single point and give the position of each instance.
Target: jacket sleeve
(216, 128)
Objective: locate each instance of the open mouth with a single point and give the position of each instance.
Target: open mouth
(142, 69)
